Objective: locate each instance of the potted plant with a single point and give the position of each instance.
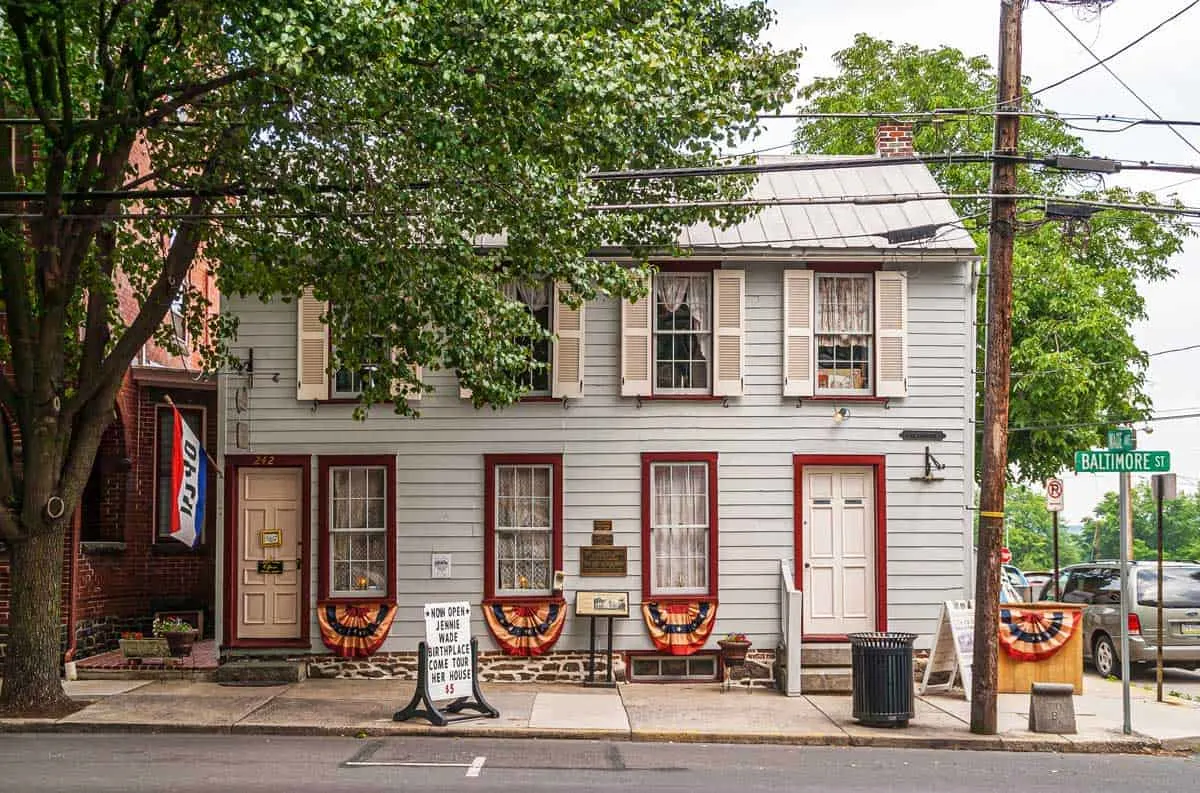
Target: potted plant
(180, 635)
(733, 650)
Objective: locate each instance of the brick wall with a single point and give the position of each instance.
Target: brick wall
(894, 140)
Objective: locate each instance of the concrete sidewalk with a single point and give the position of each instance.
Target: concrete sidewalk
(639, 712)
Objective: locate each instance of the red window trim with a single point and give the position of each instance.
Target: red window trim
(648, 459)
(209, 507)
(878, 464)
(676, 266)
(324, 557)
(845, 267)
(490, 461)
(233, 465)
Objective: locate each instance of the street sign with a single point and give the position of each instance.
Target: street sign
(1054, 495)
(1163, 486)
(1120, 440)
(1111, 462)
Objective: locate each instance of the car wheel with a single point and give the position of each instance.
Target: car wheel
(1104, 655)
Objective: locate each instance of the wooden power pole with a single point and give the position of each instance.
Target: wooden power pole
(997, 373)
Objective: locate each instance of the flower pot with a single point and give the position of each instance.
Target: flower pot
(733, 653)
(180, 642)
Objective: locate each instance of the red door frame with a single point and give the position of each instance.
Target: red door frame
(878, 464)
(234, 463)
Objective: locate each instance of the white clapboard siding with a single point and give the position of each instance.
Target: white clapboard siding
(891, 334)
(729, 329)
(798, 333)
(636, 337)
(567, 356)
(312, 348)
(439, 459)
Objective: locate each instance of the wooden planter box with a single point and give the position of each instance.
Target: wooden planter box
(1015, 676)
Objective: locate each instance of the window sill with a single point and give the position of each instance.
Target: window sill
(675, 599)
(540, 398)
(681, 398)
(101, 547)
(861, 398)
(510, 600)
(174, 548)
(350, 600)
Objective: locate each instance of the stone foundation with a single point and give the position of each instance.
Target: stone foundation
(554, 667)
(96, 636)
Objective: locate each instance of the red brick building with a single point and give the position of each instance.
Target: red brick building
(120, 565)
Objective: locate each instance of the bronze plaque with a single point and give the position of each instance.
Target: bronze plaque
(601, 525)
(602, 538)
(270, 566)
(603, 560)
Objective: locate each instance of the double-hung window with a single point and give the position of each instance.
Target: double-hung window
(523, 524)
(358, 530)
(679, 524)
(683, 333)
(844, 327)
(538, 298)
(349, 383)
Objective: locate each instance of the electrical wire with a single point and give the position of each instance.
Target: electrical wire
(1127, 47)
(1114, 75)
(1076, 369)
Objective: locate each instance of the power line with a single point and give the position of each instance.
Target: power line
(1073, 369)
(1124, 85)
(1127, 47)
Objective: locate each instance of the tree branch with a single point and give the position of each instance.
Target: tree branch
(96, 330)
(19, 22)
(186, 94)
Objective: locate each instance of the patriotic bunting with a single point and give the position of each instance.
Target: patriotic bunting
(525, 628)
(1029, 635)
(354, 631)
(680, 628)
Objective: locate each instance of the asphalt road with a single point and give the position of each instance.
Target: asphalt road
(134, 763)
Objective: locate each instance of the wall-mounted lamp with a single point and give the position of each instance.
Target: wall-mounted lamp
(840, 415)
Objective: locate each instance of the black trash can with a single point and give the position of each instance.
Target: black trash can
(882, 669)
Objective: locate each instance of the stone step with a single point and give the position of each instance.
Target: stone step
(837, 654)
(826, 680)
(262, 673)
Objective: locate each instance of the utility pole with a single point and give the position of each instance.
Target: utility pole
(997, 373)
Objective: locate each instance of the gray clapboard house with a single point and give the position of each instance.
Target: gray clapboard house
(741, 432)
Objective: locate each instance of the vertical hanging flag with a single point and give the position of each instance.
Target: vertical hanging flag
(188, 482)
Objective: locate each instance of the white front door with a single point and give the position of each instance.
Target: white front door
(838, 550)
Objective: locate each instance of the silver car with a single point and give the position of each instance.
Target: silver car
(1097, 585)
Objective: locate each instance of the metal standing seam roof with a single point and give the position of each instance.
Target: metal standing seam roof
(842, 226)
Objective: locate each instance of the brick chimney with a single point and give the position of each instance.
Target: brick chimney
(894, 139)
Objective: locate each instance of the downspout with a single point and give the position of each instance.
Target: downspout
(72, 604)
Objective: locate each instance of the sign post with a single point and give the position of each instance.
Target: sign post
(446, 663)
(1054, 503)
(1122, 458)
(1164, 489)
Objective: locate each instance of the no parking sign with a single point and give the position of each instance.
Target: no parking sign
(1054, 494)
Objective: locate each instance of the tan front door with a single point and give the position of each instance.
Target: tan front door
(839, 550)
(269, 604)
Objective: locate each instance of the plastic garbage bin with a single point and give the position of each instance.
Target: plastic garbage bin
(882, 672)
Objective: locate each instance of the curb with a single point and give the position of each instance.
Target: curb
(890, 741)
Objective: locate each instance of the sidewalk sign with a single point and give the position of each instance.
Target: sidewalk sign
(953, 645)
(446, 663)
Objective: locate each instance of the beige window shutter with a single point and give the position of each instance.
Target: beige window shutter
(729, 331)
(798, 304)
(401, 388)
(566, 350)
(636, 338)
(312, 348)
(463, 391)
(891, 334)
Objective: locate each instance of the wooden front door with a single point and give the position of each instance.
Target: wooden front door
(269, 604)
(838, 549)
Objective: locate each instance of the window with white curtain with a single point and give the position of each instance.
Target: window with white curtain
(845, 333)
(524, 529)
(538, 298)
(683, 333)
(358, 530)
(679, 528)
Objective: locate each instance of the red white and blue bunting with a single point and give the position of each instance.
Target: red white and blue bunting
(525, 628)
(678, 627)
(355, 631)
(1035, 635)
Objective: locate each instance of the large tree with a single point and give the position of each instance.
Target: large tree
(1076, 367)
(1181, 526)
(358, 147)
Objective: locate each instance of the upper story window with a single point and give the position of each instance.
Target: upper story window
(538, 298)
(844, 328)
(349, 383)
(683, 333)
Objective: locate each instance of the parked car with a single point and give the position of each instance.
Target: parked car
(1097, 585)
(1020, 586)
(1037, 581)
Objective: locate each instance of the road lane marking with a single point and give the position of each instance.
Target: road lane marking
(373, 763)
(476, 766)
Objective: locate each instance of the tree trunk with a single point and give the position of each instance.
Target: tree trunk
(32, 683)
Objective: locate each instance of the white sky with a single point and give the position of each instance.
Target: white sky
(1164, 70)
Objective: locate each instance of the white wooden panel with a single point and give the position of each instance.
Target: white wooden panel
(567, 349)
(798, 333)
(891, 334)
(312, 348)
(636, 337)
(729, 290)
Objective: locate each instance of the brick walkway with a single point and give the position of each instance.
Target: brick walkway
(202, 659)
